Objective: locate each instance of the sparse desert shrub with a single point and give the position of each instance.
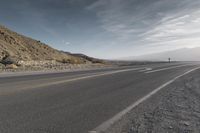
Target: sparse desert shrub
(66, 61)
(2, 66)
(1, 32)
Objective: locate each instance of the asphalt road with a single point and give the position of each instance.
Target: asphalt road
(77, 102)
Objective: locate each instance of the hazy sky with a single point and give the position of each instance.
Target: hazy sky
(106, 28)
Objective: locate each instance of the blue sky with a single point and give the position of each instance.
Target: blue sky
(106, 28)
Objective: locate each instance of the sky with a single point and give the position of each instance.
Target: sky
(108, 29)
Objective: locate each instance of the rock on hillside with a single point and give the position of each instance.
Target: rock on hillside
(22, 50)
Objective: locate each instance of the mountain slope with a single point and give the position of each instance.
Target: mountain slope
(91, 59)
(184, 54)
(18, 48)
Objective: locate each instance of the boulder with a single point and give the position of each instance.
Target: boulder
(9, 60)
(11, 66)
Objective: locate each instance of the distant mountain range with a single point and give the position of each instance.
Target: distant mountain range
(184, 54)
(18, 49)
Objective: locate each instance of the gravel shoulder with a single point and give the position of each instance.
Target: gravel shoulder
(175, 109)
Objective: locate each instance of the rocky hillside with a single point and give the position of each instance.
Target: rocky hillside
(88, 58)
(22, 50)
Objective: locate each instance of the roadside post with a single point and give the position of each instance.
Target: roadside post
(169, 59)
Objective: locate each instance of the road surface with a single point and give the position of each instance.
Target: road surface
(77, 102)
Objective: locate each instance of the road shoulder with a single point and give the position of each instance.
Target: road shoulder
(174, 109)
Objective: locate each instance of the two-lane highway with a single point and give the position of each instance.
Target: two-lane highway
(77, 102)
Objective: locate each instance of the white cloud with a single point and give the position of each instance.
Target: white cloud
(150, 24)
(67, 43)
(177, 28)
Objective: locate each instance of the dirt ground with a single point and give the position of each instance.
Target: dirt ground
(175, 109)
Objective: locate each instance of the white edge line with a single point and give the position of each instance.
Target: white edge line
(104, 126)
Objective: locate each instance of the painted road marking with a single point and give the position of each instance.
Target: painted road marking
(107, 124)
(157, 67)
(146, 69)
(90, 76)
(74, 79)
(162, 69)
